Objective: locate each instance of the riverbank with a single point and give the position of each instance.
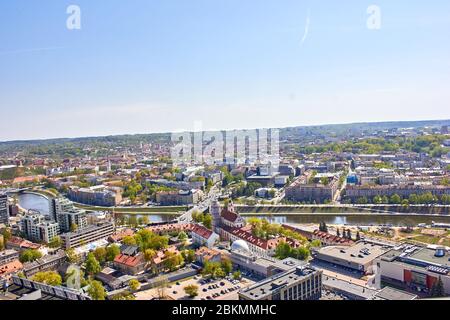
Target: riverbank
(135, 210)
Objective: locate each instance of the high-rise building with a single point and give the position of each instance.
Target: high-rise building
(67, 215)
(4, 212)
(36, 228)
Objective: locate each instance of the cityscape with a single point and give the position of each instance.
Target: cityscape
(350, 212)
(223, 157)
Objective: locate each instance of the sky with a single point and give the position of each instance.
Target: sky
(144, 66)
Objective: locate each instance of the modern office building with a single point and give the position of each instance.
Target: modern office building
(36, 228)
(299, 283)
(414, 267)
(87, 235)
(358, 257)
(4, 212)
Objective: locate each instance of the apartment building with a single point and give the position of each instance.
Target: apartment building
(300, 191)
(46, 263)
(4, 212)
(355, 192)
(182, 197)
(35, 227)
(96, 196)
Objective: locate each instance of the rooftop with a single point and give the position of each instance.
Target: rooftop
(267, 286)
(361, 253)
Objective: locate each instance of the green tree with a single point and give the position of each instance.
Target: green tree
(112, 251)
(92, 265)
(125, 295)
(395, 199)
(50, 277)
(283, 250)
(191, 290)
(55, 242)
(149, 254)
(227, 266)
(237, 275)
(188, 255)
(173, 261)
(129, 241)
(96, 290)
(73, 227)
(100, 255)
(134, 285)
(437, 290)
(29, 255)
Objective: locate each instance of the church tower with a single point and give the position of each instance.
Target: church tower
(214, 209)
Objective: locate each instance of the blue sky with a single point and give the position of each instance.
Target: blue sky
(145, 66)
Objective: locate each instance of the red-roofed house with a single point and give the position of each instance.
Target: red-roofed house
(202, 236)
(130, 264)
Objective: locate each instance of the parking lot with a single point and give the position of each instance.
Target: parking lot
(208, 289)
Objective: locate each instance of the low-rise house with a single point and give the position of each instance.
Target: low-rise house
(129, 264)
(204, 254)
(203, 236)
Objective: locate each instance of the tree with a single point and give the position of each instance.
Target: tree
(316, 244)
(92, 265)
(207, 221)
(173, 261)
(6, 233)
(182, 236)
(191, 290)
(73, 227)
(72, 256)
(2, 244)
(129, 241)
(96, 290)
(161, 284)
(437, 290)
(149, 254)
(50, 277)
(55, 242)
(227, 266)
(29, 255)
(125, 295)
(301, 253)
(283, 250)
(100, 255)
(237, 275)
(112, 252)
(134, 285)
(395, 199)
(188, 255)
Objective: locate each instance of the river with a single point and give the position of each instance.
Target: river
(41, 204)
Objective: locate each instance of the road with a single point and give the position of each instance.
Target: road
(212, 195)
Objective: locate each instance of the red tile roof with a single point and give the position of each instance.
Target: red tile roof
(229, 215)
(129, 261)
(10, 267)
(202, 231)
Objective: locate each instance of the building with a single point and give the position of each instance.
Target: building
(130, 264)
(25, 289)
(46, 263)
(35, 227)
(86, 235)
(19, 244)
(65, 213)
(204, 254)
(9, 269)
(96, 196)
(299, 283)
(415, 268)
(214, 210)
(319, 192)
(177, 198)
(354, 193)
(202, 236)
(4, 212)
(8, 255)
(359, 257)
